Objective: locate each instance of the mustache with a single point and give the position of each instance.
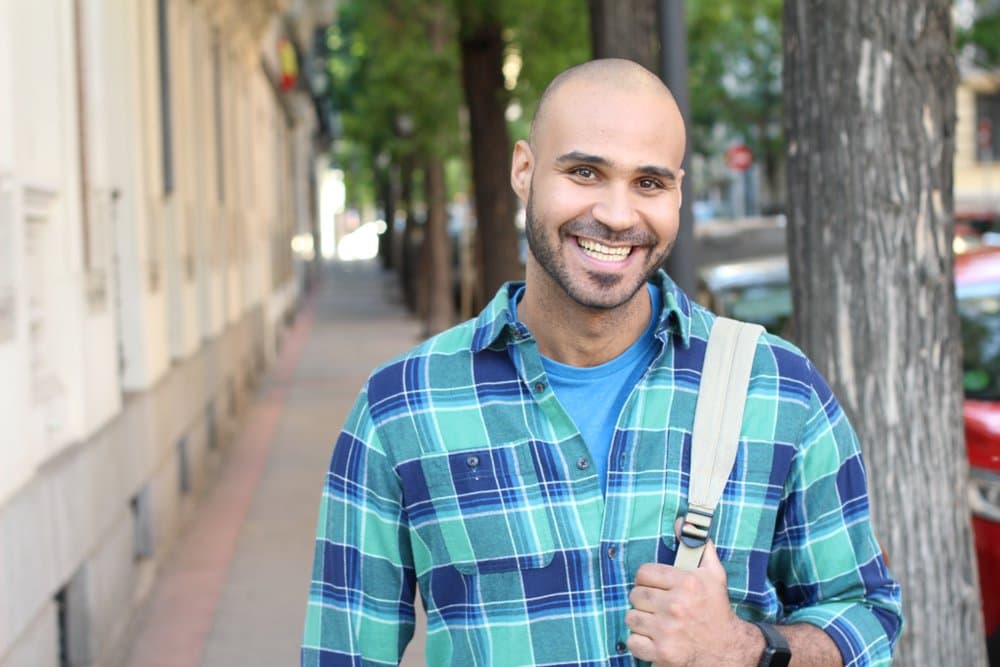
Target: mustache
(594, 229)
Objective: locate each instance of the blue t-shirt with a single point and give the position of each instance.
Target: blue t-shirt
(594, 396)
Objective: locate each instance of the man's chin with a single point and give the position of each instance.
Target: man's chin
(604, 292)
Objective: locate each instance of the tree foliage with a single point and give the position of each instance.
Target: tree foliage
(383, 70)
(393, 90)
(734, 60)
(982, 37)
(544, 38)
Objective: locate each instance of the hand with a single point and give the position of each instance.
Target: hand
(683, 618)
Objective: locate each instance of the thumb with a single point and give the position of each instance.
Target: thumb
(709, 558)
(710, 562)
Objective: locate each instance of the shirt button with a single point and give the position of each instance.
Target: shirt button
(472, 461)
(583, 463)
(539, 387)
(621, 647)
(612, 552)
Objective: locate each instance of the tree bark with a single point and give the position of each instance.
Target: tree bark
(870, 118)
(387, 200)
(440, 313)
(482, 79)
(626, 29)
(408, 274)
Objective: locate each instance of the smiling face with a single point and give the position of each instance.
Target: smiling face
(601, 181)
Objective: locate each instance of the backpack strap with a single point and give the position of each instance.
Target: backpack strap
(718, 417)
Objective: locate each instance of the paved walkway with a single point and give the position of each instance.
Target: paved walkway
(234, 589)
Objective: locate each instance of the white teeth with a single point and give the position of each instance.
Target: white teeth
(603, 252)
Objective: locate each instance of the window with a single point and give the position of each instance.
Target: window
(143, 542)
(988, 127)
(163, 36)
(183, 467)
(95, 205)
(211, 426)
(74, 622)
(979, 314)
(220, 181)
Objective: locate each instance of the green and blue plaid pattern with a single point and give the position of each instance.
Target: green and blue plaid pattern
(459, 472)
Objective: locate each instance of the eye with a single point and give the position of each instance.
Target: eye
(585, 173)
(649, 184)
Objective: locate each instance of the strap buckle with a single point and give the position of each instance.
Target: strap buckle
(694, 530)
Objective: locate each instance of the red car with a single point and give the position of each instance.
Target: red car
(977, 283)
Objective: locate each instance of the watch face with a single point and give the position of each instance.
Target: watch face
(777, 657)
(776, 653)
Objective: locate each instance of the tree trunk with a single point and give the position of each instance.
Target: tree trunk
(626, 29)
(387, 200)
(440, 313)
(482, 78)
(408, 274)
(870, 117)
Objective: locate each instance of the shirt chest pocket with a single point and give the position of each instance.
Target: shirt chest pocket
(489, 510)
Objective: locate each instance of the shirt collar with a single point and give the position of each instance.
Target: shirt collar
(496, 326)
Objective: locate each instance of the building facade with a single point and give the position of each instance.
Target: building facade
(155, 165)
(977, 145)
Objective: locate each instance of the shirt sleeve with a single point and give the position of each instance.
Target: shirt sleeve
(360, 608)
(826, 563)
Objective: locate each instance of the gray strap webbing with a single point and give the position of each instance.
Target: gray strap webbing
(718, 418)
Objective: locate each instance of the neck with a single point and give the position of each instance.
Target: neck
(576, 335)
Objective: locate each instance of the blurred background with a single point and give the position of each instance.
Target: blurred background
(178, 178)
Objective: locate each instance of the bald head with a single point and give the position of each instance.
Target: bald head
(601, 76)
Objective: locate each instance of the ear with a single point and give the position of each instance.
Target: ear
(522, 165)
(680, 188)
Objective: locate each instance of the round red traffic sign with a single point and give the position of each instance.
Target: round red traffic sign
(739, 157)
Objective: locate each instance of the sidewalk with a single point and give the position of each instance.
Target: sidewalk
(234, 589)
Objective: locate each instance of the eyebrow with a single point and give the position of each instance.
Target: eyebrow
(580, 156)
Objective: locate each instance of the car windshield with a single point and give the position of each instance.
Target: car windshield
(979, 312)
(769, 305)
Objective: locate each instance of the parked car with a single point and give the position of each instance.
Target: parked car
(755, 290)
(977, 284)
(758, 291)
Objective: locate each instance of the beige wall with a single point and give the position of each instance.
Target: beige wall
(130, 317)
(977, 184)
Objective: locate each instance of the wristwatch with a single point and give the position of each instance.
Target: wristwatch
(776, 653)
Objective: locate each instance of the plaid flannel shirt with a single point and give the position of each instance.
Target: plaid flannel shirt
(459, 472)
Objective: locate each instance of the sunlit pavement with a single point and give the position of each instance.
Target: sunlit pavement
(233, 590)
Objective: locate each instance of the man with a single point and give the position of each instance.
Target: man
(526, 469)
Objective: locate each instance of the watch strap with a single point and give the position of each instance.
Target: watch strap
(776, 652)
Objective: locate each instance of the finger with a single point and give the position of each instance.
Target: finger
(656, 575)
(641, 646)
(645, 598)
(640, 622)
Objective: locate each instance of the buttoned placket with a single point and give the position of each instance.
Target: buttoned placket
(614, 536)
(529, 365)
(613, 564)
(528, 362)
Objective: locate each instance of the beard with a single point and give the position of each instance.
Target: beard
(599, 290)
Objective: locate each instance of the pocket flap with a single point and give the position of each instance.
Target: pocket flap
(488, 509)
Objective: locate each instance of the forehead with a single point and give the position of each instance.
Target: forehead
(629, 125)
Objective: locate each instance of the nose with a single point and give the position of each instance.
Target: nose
(615, 208)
